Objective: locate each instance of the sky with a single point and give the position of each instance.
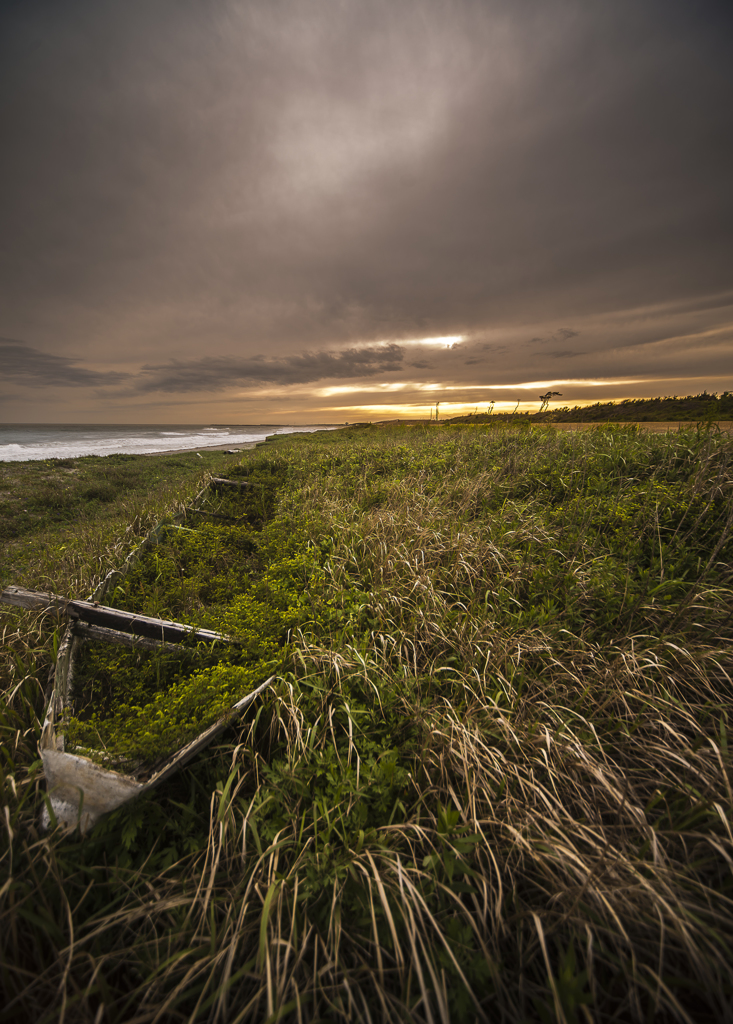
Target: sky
(294, 211)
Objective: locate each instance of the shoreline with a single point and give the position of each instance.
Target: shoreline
(42, 442)
(243, 447)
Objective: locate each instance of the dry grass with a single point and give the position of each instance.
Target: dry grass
(493, 782)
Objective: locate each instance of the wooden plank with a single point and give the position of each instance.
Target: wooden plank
(214, 515)
(112, 618)
(114, 636)
(219, 482)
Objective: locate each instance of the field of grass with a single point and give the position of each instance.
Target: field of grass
(64, 522)
(492, 780)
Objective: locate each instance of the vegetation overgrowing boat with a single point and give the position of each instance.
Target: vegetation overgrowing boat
(87, 773)
(496, 743)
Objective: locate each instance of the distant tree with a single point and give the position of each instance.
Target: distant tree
(547, 398)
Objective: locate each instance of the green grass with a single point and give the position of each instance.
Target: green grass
(62, 521)
(492, 780)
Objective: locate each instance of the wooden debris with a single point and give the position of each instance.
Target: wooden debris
(111, 618)
(214, 515)
(219, 483)
(114, 636)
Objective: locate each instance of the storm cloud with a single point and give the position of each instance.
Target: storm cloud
(27, 366)
(198, 197)
(218, 374)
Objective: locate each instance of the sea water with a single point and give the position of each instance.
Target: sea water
(22, 442)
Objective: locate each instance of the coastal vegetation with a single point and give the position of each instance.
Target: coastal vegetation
(64, 522)
(491, 779)
(234, 568)
(671, 409)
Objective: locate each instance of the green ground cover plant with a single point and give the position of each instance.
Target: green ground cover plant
(238, 574)
(491, 782)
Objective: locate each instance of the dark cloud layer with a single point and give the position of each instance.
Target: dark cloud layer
(218, 374)
(26, 366)
(211, 193)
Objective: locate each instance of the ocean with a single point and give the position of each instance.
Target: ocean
(24, 442)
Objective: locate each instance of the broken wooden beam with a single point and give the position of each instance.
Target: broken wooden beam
(114, 636)
(111, 618)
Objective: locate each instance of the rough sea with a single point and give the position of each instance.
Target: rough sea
(22, 442)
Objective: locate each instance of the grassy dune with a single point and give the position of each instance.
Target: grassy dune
(491, 782)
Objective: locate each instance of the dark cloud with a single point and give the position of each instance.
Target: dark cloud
(561, 334)
(28, 366)
(217, 374)
(493, 348)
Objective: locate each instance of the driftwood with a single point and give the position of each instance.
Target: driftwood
(218, 483)
(96, 614)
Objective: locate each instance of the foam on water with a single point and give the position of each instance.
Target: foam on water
(27, 442)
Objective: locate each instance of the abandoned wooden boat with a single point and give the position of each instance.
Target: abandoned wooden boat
(80, 788)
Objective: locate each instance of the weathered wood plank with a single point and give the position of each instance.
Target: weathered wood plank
(112, 618)
(214, 515)
(219, 482)
(114, 636)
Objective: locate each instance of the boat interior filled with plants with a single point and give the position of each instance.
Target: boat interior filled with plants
(222, 569)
